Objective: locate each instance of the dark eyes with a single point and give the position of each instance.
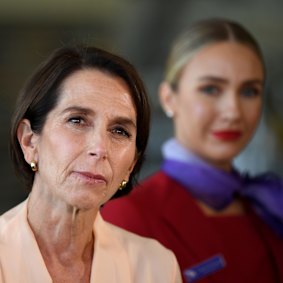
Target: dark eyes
(121, 131)
(116, 130)
(76, 120)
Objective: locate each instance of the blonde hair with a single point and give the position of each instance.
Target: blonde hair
(198, 36)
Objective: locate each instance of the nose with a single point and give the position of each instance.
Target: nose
(98, 145)
(231, 107)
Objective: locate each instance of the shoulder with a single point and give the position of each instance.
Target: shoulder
(148, 197)
(8, 222)
(158, 180)
(132, 210)
(157, 197)
(154, 189)
(11, 240)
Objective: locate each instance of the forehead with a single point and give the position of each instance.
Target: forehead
(226, 58)
(86, 86)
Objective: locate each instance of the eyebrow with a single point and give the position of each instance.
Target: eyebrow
(126, 121)
(78, 109)
(87, 111)
(221, 80)
(255, 81)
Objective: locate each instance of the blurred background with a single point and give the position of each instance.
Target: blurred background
(141, 31)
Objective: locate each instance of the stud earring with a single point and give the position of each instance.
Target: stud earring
(169, 113)
(33, 166)
(122, 185)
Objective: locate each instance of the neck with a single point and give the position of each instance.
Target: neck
(174, 149)
(63, 232)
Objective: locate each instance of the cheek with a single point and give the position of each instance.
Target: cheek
(58, 149)
(253, 117)
(199, 113)
(125, 162)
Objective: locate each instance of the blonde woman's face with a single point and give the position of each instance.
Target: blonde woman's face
(218, 102)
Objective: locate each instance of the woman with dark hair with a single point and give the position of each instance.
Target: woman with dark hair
(222, 225)
(78, 137)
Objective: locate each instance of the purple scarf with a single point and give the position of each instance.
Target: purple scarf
(217, 188)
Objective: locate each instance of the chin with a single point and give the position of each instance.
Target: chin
(221, 161)
(225, 153)
(87, 201)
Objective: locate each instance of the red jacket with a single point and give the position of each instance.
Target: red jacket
(161, 208)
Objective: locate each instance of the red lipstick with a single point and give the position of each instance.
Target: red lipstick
(227, 135)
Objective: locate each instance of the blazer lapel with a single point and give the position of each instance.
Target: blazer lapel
(110, 262)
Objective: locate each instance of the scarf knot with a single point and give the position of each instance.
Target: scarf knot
(218, 188)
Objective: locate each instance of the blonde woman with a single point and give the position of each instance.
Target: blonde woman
(223, 226)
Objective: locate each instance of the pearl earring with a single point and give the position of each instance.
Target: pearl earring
(169, 113)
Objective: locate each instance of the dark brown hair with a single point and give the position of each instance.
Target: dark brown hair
(41, 92)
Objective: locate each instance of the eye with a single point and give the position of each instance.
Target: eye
(250, 91)
(76, 120)
(121, 132)
(210, 89)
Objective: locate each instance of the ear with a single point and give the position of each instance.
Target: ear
(167, 99)
(27, 140)
(131, 168)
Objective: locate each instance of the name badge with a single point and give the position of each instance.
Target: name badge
(204, 268)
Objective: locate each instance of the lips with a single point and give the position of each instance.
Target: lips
(227, 135)
(90, 177)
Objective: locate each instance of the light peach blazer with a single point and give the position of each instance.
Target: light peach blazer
(119, 256)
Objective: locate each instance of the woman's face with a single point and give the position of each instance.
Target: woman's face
(218, 102)
(88, 143)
